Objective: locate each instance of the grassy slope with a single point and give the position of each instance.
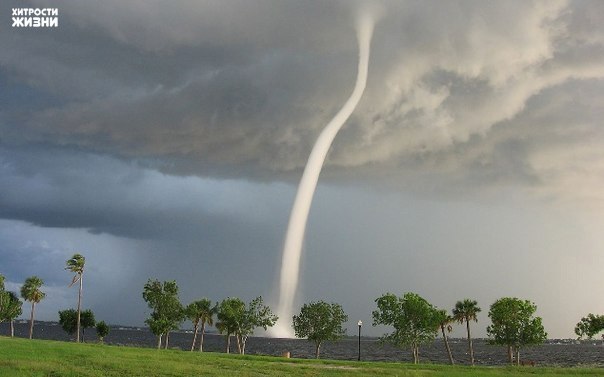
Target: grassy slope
(22, 357)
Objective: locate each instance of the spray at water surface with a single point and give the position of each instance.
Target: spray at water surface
(292, 251)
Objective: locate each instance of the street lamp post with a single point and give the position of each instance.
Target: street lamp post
(360, 323)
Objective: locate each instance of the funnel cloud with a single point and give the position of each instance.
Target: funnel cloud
(294, 238)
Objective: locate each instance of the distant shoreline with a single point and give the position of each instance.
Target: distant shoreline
(4, 327)
(555, 352)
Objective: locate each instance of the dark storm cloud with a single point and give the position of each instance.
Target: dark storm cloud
(240, 89)
(133, 223)
(50, 187)
(154, 138)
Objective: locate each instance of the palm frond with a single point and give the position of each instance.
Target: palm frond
(75, 279)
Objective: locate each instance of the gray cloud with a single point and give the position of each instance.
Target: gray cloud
(165, 141)
(217, 87)
(57, 188)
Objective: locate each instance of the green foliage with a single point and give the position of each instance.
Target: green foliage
(589, 326)
(230, 312)
(76, 264)
(203, 312)
(466, 311)
(68, 319)
(10, 306)
(234, 317)
(444, 320)
(320, 321)
(30, 290)
(414, 319)
(514, 324)
(255, 315)
(87, 319)
(102, 330)
(168, 312)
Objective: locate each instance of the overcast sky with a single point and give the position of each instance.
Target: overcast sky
(166, 140)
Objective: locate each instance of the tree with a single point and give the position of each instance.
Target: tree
(202, 312)
(10, 308)
(466, 311)
(590, 326)
(237, 318)
(514, 325)
(68, 319)
(102, 330)
(76, 264)
(414, 319)
(167, 313)
(87, 321)
(320, 321)
(255, 315)
(230, 312)
(30, 291)
(445, 320)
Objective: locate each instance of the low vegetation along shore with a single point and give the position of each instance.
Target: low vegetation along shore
(21, 357)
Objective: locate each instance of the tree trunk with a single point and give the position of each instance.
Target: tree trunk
(79, 310)
(194, 335)
(518, 356)
(238, 338)
(243, 341)
(167, 339)
(159, 341)
(228, 345)
(318, 348)
(470, 341)
(510, 355)
(442, 327)
(12, 328)
(203, 329)
(415, 353)
(31, 320)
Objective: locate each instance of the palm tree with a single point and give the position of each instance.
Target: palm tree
(30, 291)
(466, 311)
(207, 318)
(200, 312)
(445, 320)
(76, 264)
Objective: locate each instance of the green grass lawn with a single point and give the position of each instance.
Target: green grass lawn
(24, 357)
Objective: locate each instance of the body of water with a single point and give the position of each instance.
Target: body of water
(552, 353)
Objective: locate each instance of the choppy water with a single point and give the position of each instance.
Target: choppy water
(557, 353)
